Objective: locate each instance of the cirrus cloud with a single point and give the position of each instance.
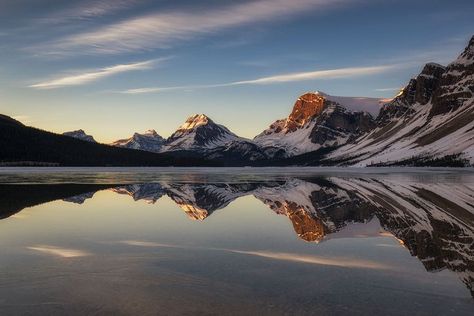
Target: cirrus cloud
(164, 29)
(338, 73)
(93, 75)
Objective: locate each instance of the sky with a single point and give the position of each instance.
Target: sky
(117, 67)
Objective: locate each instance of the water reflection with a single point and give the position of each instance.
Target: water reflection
(434, 221)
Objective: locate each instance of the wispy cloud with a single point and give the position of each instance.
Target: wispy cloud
(59, 252)
(93, 75)
(164, 29)
(387, 89)
(320, 74)
(90, 9)
(290, 77)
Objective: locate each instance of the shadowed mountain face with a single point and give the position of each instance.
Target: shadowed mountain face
(434, 222)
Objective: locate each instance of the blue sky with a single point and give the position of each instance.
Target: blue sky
(116, 67)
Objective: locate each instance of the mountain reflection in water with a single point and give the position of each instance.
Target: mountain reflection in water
(433, 221)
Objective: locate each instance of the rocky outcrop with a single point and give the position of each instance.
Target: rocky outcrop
(307, 106)
(418, 90)
(338, 125)
(456, 85)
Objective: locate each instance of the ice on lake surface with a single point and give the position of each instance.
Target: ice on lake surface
(239, 241)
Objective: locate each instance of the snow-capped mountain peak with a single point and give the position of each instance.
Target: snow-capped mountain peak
(148, 141)
(80, 134)
(150, 132)
(199, 133)
(194, 121)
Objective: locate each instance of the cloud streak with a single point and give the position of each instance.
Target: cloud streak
(320, 74)
(91, 9)
(164, 29)
(283, 78)
(94, 75)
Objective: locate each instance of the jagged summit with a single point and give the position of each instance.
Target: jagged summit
(150, 132)
(199, 133)
(468, 53)
(306, 107)
(195, 121)
(432, 70)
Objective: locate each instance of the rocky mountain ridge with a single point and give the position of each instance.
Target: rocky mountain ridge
(431, 121)
(314, 122)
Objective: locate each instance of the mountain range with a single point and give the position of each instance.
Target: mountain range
(429, 123)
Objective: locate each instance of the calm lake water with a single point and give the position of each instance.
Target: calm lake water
(289, 241)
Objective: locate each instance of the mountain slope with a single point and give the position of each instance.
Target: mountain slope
(430, 121)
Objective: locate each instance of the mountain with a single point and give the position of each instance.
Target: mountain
(199, 133)
(80, 134)
(430, 122)
(315, 122)
(23, 145)
(201, 137)
(148, 141)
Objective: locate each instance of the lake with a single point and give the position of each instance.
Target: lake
(236, 241)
